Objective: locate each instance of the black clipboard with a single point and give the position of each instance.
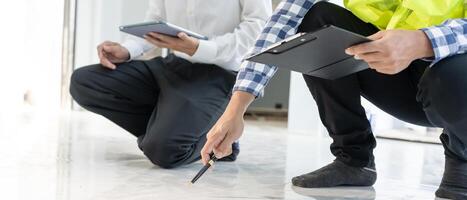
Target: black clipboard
(320, 53)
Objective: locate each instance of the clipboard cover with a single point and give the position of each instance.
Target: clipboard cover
(320, 53)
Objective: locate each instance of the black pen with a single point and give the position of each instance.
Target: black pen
(204, 169)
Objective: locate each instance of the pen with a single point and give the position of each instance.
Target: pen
(204, 169)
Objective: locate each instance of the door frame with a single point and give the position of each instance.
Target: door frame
(68, 52)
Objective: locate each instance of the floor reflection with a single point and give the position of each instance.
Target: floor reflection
(83, 156)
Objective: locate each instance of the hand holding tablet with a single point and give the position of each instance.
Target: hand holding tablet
(142, 29)
(166, 35)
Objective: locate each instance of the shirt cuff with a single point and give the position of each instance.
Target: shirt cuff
(442, 40)
(251, 82)
(206, 52)
(133, 48)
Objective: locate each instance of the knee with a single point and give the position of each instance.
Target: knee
(443, 90)
(318, 16)
(79, 80)
(164, 153)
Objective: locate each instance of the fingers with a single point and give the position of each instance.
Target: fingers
(103, 57)
(183, 36)
(370, 57)
(161, 40)
(164, 38)
(368, 47)
(106, 63)
(215, 136)
(157, 42)
(377, 35)
(100, 52)
(225, 148)
(206, 152)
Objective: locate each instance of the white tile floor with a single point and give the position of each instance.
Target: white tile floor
(82, 156)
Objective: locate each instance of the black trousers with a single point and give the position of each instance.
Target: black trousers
(428, 96)
(168, 103)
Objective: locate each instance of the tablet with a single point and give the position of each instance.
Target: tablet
(320, 53)
(162, 27)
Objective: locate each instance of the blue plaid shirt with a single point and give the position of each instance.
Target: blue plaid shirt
(447, 39)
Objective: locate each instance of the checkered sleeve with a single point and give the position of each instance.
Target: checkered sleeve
(253, 77)
(448, 39)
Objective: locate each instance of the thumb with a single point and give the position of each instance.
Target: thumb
(183, 36)
(377, 35)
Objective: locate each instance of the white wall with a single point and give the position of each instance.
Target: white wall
(31, 39)
(98, 21)
(303, 113)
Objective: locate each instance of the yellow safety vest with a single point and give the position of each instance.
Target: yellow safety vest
(406, 14)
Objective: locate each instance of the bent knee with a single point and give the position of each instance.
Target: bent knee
(322, 7)
(76, 82)
(165, 155)
(443, 89)
(80, 79)
(84, 75)
(318, 16)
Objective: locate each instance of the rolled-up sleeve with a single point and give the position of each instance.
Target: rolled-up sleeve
(448, 39)
(253, 77)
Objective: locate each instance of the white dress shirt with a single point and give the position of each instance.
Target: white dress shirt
(231, 25)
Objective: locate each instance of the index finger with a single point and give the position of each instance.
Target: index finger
(212, 141)
(103, 58)
(100, 49)
(368, 47)
(206, 151)
(100, 53)
(163, 38)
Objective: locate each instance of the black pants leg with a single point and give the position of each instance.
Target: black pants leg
(127, 96)
(339, 101)
(170, 103)
(443, 94)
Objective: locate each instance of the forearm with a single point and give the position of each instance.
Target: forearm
(239, 103)
(136, 47)
(253, 77)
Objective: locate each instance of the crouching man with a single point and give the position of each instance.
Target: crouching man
(170, 103)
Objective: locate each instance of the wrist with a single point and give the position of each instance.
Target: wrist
(239, 103)
(127, 54)
(194, 48)
(424, 45)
